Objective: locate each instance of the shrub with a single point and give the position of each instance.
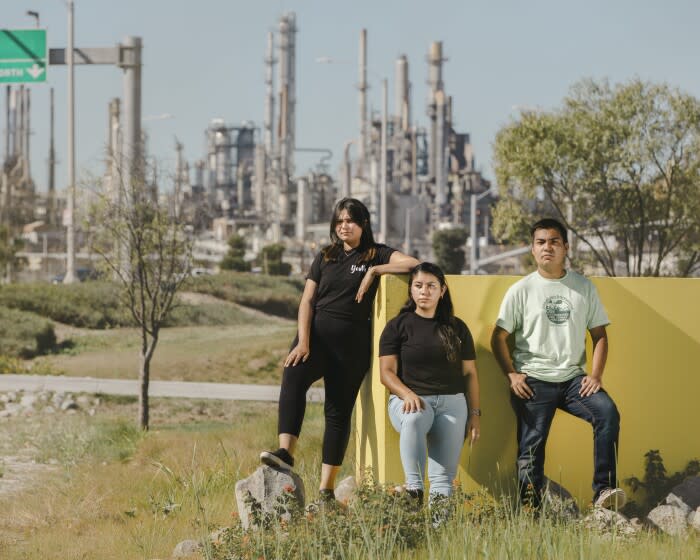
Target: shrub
(655, 484)
(92, 305)
(234, 258)
(24, 335)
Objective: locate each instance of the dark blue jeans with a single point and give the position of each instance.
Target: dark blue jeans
(535, 417)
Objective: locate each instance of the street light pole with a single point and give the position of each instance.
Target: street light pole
(70, 231)
(473, 199)
(383, 226)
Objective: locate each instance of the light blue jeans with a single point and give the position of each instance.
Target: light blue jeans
(436, 431)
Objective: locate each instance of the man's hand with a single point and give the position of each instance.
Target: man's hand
(590, 385)
(412, 403)
(298, 354)
(518, 385)
(365, 284)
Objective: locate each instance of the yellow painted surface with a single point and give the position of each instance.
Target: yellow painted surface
(653, 374)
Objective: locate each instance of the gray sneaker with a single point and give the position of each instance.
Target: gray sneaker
(611, 498)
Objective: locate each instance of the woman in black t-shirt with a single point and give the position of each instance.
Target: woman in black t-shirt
(333, 338)
(427, 361)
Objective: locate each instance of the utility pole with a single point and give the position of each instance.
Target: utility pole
(51, 202)
(70, 231)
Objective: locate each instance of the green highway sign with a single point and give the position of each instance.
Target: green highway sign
(23, 55)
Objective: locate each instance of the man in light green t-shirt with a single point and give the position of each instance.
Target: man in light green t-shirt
(549, 312)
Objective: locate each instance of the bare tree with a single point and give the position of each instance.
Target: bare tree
(149, 255)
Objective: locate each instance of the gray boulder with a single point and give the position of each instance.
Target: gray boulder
(185, 549)
(686, 495)
(28, 401)
(346, 490)
(269, 494)
(694, 520)
(69, 404)
(669, 519)
(559, 500)
(608, 521)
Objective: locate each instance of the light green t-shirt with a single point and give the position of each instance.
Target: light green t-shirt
(550, 319)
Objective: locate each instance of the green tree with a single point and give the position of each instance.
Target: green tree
(448, 245)
(271, 259)
(619, 166)
(234, 258)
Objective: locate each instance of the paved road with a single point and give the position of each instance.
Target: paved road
(181, 389)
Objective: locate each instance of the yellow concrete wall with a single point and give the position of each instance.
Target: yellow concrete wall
(653, 374)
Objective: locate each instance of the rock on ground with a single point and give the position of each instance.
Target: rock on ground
(186, 549)
(346, 490)
(670, 519)
(268, 493)
(559, 500)
(686, 495)
(607, 521)
(694, 520)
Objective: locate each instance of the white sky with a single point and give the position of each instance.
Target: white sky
(204, 59)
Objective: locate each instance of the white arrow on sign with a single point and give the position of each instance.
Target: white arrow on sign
(35, 71)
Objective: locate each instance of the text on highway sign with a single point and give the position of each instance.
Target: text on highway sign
(23, 55)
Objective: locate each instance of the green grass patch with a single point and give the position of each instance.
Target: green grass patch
(272, 294)
(96, 305)
(24, 334)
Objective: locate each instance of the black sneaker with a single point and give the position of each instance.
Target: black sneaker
(280, 459)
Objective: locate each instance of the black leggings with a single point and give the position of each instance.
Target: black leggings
(342, 362)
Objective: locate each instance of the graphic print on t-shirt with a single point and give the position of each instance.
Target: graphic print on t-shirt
(358, 268)
(558, 309)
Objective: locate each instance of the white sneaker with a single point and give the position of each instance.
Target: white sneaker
(611, 498)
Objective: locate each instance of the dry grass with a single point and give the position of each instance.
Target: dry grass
(178, 484)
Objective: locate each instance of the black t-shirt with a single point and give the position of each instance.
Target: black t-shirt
(339, 281)
(423, 365)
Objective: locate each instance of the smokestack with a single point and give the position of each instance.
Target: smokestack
(19, 130)
(12, 123)
(402, 102)
(439, 149)
(269, 95)
(302, 214)
(362, 87)
(286, 71)
(435, 60)
(292, 90)
(259, 180)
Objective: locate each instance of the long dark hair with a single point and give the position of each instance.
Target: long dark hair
(444, 313)
(360, 215)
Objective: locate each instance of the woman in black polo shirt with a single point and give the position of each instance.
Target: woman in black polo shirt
(333, 338)
(427, 361)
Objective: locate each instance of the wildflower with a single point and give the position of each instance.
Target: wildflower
(288, 488)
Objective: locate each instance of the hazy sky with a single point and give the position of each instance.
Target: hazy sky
(204, 59)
